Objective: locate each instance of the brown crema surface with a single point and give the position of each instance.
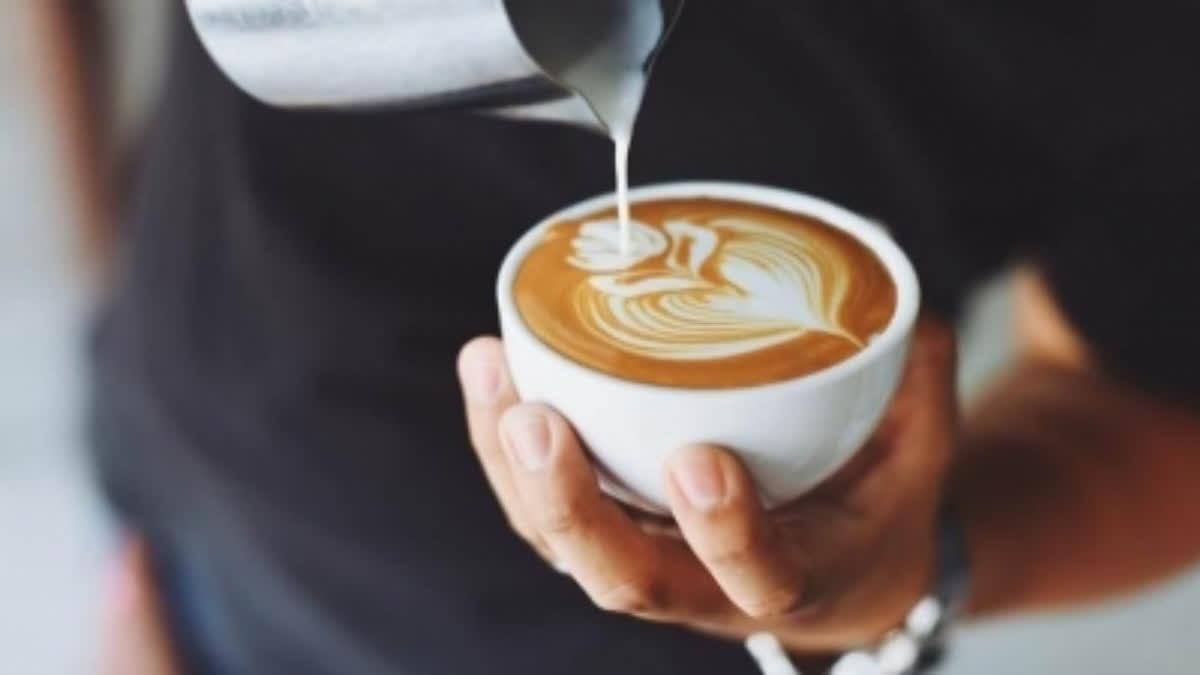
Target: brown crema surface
(718, 294)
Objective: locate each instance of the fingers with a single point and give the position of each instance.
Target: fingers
(717, 508)
(927, 390)
(488, 393)
(620, 567)
(550, 494)
(924, 416)
(136, 639)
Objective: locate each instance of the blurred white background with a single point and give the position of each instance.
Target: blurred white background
(50, 533)
(53, 538)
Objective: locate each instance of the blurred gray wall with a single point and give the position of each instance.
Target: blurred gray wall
(51, 543)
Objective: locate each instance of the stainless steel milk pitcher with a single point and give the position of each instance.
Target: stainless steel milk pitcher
(499, 54)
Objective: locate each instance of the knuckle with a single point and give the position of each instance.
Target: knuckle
(522, 529)
(561, 520)
(639, 596)
(939, 342)
(483, 440)
(737, 548)
(773, 604)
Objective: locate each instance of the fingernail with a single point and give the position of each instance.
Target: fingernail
(482, 381)
(699, 477)
(528, 434)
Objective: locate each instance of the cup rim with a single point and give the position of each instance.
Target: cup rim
(871, 234)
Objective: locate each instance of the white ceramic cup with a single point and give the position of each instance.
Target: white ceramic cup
(791, 434)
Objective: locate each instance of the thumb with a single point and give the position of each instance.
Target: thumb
(135, 637)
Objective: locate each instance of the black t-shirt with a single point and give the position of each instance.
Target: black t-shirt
(275, 368)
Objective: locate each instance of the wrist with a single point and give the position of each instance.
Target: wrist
(915, 639)
(867, 604)
(919, 641)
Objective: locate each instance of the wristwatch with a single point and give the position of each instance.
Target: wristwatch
(916, 646)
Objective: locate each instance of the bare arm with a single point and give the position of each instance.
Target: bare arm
(1074, 488)
(70, 50)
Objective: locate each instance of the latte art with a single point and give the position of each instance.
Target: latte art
(707, 294)
(729, 287)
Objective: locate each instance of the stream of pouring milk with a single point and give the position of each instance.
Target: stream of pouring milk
(622, 135)
(612, 79)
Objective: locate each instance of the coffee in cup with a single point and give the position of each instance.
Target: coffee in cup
(762, 320)
(711, 293)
